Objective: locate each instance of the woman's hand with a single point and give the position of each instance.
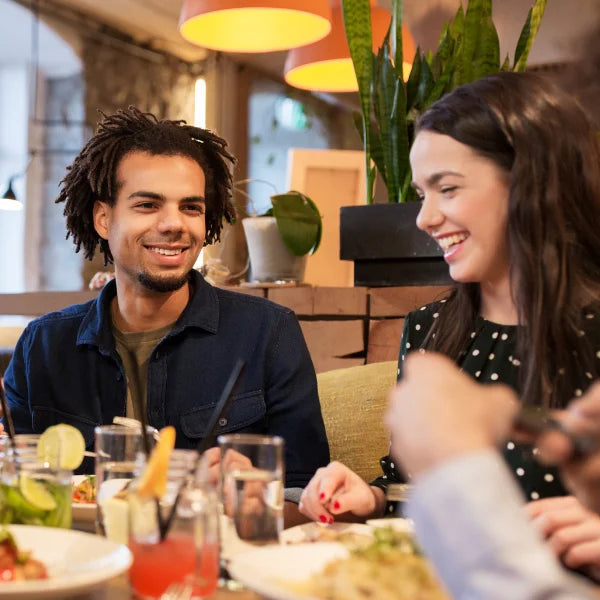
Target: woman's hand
(336, 489)
(571, 530)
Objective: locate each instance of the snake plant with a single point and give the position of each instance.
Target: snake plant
(468, 49)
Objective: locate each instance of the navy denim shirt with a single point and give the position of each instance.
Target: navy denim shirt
(66, 369)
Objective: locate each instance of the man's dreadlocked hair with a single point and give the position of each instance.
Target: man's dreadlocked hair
(92, 176)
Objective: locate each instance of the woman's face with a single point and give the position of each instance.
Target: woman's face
(465, 206)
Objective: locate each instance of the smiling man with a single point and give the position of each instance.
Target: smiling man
(159, 339)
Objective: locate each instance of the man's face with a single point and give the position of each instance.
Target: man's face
(156, 228)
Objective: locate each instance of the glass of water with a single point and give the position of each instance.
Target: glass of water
(120, 457)
(252, 472)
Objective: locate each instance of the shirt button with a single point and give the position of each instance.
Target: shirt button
(119, 376)
(222, 421)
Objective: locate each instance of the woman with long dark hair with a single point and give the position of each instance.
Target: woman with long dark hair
(508, 169)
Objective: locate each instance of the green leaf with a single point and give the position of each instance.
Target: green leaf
(425, 85)
(458, 25)
(357, 23)
(412, 85)
(506, 64)
(396, 37)
(528, 34)
(384, 92)
(480, 48)
(298, 221)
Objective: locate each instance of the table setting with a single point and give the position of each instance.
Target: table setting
(149, 523)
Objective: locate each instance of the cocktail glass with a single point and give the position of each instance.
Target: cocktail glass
(190, 550)
(31, 492)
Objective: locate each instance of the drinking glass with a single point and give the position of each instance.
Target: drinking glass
(120, 457)
(252, 472)
(31, 492)
(190, 550)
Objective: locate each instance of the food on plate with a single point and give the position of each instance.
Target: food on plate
(346, 534)
(17, 564)
(85, 491)
(390, 568)
(62, 446)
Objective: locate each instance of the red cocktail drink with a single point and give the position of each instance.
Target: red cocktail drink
(156, 566)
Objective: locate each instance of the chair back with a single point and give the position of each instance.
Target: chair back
(353, 403)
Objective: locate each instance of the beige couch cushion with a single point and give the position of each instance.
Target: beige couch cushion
(353, 402)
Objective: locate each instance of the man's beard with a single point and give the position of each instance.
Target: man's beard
(162, 284)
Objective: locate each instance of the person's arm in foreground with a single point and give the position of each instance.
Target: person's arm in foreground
(466, 507)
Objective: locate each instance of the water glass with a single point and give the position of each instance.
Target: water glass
(190, 550)
(31, 492)
(120, 457)
(252, 472)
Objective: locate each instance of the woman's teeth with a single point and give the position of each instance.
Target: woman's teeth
(447, 242)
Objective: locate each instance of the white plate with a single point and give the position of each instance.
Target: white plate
(265, 570)
(83, 512)
(308, 531)
(396, 523)
(76, 562)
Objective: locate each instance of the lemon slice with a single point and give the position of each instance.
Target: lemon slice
(36, 493)
(153, 482)
(62, 446)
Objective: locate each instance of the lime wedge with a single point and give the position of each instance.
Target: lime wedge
(36, 493)
(62, 446)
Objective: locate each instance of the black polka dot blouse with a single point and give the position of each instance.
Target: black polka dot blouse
(490, 357)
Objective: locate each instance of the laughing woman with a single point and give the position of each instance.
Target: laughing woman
(508, 172)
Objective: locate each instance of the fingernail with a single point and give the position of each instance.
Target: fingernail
(321, 495)
(336, 505)
(330, 520)
(323, 518)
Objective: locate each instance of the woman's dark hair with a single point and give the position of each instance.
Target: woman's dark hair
(92, 176)
(535, 131)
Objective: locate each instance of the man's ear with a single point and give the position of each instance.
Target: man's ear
(101, 213)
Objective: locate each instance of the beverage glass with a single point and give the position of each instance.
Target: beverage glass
(252, 473)
(190, 550)
(120, 457)
(31, 492)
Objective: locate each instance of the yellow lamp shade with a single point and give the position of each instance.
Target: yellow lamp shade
(326, 65)
(254, 25)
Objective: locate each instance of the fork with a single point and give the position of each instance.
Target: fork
(178, 591)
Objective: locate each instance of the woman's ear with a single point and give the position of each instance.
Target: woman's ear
(101, 217)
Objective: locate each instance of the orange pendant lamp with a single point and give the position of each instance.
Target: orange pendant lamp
(326, 66)
(254, 25)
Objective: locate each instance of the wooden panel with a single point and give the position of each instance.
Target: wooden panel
(340, 301)
(251, 291)
(399, 301)
(329, 341)
(39, 303)
(332, 178)
(299, 299)
(384, 340)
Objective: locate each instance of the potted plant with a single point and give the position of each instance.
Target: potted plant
(383, 239)
(280, 239)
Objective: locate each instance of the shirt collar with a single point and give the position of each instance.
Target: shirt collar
(202, 311)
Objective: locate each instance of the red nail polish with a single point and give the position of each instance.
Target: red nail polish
(330, 521)
(321, 495)
(336, 505)
(323, 518)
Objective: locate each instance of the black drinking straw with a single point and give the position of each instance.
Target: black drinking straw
(211, 432)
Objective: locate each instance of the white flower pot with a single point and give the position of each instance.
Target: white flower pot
(270, 260)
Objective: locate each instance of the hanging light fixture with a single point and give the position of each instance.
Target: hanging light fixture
(9, 201)
(254, 25)
(326, 66)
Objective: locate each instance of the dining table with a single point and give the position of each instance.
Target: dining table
(118, 588)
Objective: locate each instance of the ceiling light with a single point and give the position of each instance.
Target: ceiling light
(9, 200)
(326, 65)
(254, 25)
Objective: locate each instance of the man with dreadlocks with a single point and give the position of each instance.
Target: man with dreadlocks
(159, 339)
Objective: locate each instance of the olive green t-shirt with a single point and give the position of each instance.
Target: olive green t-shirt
(135, 349)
